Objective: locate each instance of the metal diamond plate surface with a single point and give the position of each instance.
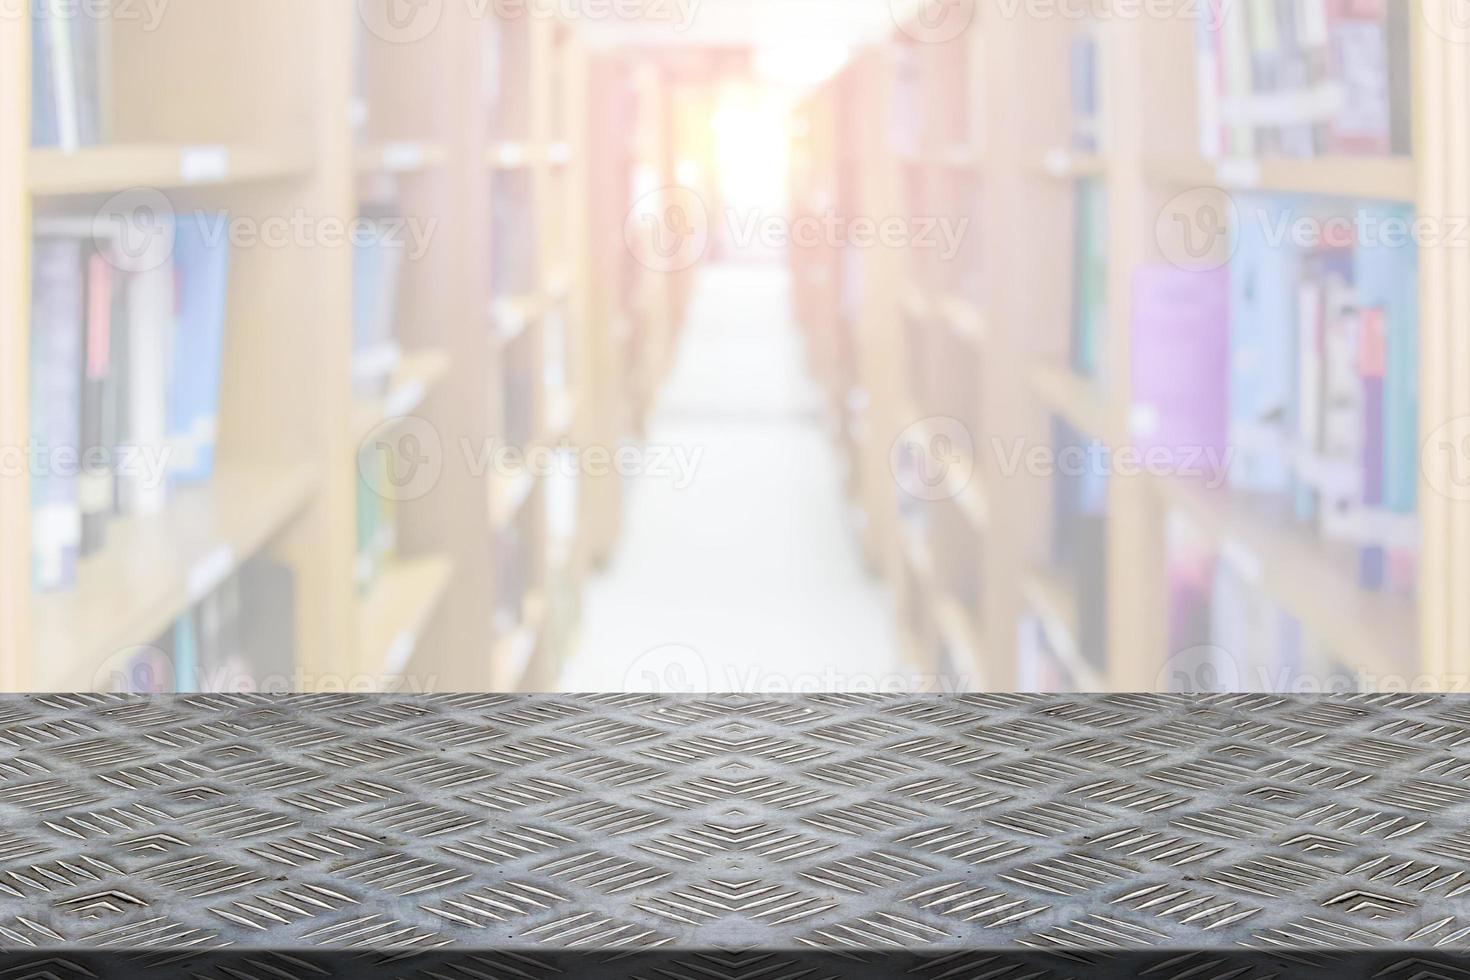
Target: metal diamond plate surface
(840, 823)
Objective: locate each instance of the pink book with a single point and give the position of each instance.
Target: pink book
(1180, 366)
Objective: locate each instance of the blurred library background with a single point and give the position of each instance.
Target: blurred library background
(734, 345)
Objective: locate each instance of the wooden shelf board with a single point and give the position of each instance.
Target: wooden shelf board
(914, 302)
(561, 413)
(1390, 178)
(970, 495)
(515, 650)
(513, 155)
(508, 494)
(1078, 400)
(511, 315)
(963, 318)
(1055, 601)
(119, 166)
(1063, 164)
(153, 568)
(412, 381)
(395, 611)
(957, 157)
(399, 157)
(1312, 579)
(958, 630)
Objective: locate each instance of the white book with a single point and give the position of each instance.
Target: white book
(64, 72)
(150, 329)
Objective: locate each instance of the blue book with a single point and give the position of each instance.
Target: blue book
(44, 128)
(1264, 276)
(1388, 277)
(185, 654)
(202, 277)
(367, 261)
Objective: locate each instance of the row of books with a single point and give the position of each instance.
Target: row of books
(1226, 634)
(1295, 370)
(515, 565)
(377, 269)
(68, 59)
(519, 395)
(1079, 534)
(239, 638)
(1085, 73)
(513, 256)
(124, 382)
(1303, 78)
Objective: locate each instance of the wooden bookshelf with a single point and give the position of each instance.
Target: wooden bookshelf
(394, 613)
(1373, 178)
(400, 157)
(273, 109)
(1022, 151)
(103, 169)
(412, 382)
(154, 568)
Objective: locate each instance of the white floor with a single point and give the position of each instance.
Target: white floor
(750, 579)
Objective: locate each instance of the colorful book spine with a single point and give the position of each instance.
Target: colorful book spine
(1089, 274)
(150, 325)
(1180, 356)
(202, 276)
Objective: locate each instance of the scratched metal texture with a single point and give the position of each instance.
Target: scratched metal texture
(636, 823)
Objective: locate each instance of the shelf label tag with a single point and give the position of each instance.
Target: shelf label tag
(209, 573)
(403, 156)
(202, 164)
(1238, 172)
(1242, 559)
(511, 154)
(404, 399)
(399, 652)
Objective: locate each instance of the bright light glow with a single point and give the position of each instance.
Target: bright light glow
(801, 65)
(751, 135)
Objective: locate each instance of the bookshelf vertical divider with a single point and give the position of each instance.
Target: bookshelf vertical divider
(15, 574)
(1442, 148)
(270, 98)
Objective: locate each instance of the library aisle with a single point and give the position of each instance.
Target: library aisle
(749, 578)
